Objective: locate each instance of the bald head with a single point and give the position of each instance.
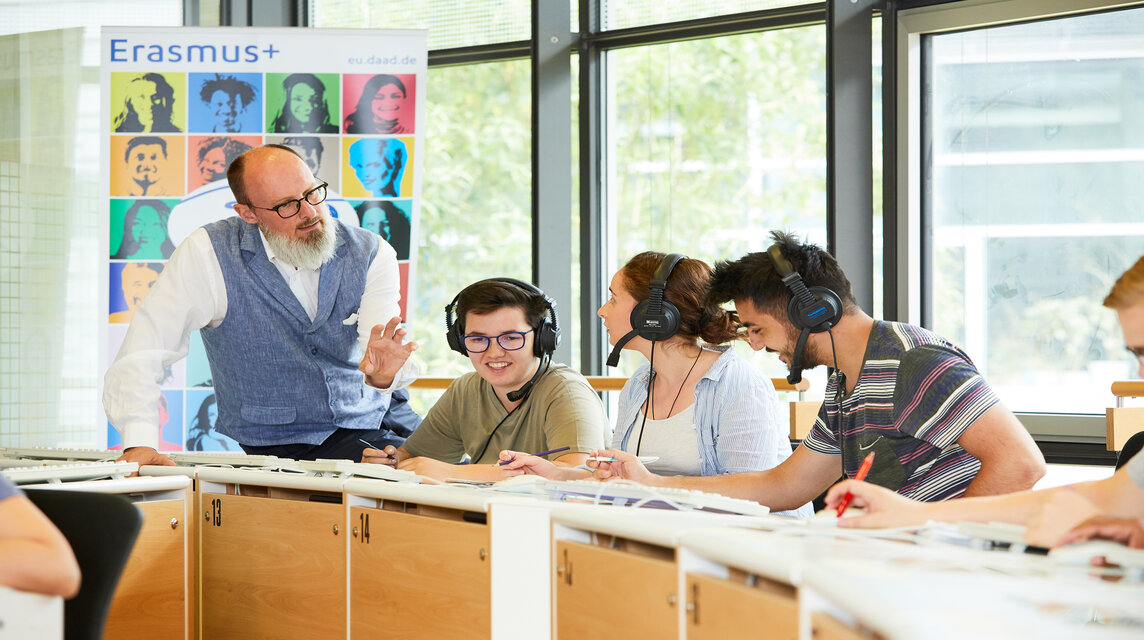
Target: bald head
(264, 158)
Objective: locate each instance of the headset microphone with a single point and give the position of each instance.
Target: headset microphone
(513, 396)
(614, 356)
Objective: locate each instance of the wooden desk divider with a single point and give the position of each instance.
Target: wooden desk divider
(1123, 422)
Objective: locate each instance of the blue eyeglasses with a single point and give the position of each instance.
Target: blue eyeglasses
(509, 341)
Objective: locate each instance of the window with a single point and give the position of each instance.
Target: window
(714, 142)
(50, 212)
(477, 195)
(1034, 154)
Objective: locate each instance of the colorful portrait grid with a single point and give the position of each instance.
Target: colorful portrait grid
(172, 137)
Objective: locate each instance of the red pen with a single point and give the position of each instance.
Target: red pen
(861, 475)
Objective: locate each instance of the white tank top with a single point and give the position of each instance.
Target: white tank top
(675, 441)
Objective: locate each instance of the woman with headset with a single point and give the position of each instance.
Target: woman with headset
(695, 408)
(516, 397)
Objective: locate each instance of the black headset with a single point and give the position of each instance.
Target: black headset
(547, 332)
(656, 318)
(812, 310)
(816, 309)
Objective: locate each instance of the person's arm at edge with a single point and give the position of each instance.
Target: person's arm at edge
(191, 283)
(1010, 460)
(380, 302)
(34, 555)
(788, 486)
(519, 463)
(1117, 496)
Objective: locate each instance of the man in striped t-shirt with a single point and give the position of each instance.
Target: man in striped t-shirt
(899, 391)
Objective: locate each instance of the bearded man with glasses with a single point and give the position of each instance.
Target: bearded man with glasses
(299, 317)
(516, 398)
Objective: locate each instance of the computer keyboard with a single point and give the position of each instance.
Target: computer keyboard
(224, 459)
(54, 473)
(347, 468)
(59, 453)
(630, 494)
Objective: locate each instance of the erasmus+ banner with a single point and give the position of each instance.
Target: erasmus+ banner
(179, 104)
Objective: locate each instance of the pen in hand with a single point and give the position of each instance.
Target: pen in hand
(539, 455)
(861, 475)
(373, 446)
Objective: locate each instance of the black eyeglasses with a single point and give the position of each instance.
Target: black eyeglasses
(290, 208)
(509, 341)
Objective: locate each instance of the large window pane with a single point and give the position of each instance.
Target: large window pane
(714, 142)
(1037, 147)
(477, 196)
(450, 23)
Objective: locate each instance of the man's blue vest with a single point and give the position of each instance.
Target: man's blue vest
(279, 377)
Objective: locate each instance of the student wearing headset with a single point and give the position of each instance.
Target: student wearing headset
(696, 407)
(899, 391)
(1111, 509)
(516, 398)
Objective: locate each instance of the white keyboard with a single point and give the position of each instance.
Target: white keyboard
(631, 494)
(1081, 553)
(214, 458)
(57, 453)
(347, 469)
(54, 473)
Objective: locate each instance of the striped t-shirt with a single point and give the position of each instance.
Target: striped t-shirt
(915, 395)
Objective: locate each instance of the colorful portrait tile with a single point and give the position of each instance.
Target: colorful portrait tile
(148, 102)
(377, 167)
(201, 416)
(208, 157)
(129, 283)
(138, 229)
(390, 219)
(225, 103)
(379, 104)
(303, 103)
(147, 166)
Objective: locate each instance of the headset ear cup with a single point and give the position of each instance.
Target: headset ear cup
(820, 316)
(546, 339)
(453, 332)
(831, 299)
(655, 326)
(456, 343)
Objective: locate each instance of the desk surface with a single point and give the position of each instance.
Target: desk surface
(1031, 599)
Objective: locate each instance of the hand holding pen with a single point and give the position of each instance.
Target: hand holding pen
(538, 455)
(386, 456)
(861, 475)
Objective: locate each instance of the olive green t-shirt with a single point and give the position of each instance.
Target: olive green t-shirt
(561, 411)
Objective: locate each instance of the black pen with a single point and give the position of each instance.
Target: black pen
(539, 455)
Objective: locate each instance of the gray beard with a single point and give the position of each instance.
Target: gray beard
(310, 253)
